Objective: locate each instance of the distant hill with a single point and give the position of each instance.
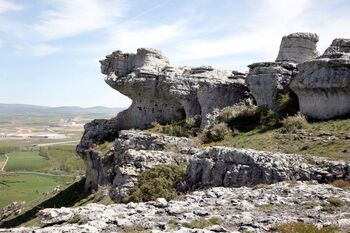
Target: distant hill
(25, 109)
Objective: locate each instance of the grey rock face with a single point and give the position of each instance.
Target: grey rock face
(163, 93)
(132, 153)
(298, 47)
(267, 81)
(241, 209)
(323, 84)
(231, 167)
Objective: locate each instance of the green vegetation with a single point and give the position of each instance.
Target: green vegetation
(201, 223)
(288, 104)
(314, 139)
(67, 197)
(26, 161)
(57, 159)
(216, 133)
(300, 227)
(185, 128)
(105, 147)
(292, 123)
(156, 182)
(62, 158)
(27, 187)
(332, 204)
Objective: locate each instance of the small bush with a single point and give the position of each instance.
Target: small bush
(156, 182)
(184, 128)
(293, 123)
(216, 133)
(299, 227)
(201, 223)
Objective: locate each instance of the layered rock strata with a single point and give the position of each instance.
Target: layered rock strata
(232, 167)
(236, 210)
(323, 84)
(298, 47)
(267, 81)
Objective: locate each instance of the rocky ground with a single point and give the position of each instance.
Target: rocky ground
(219, 209)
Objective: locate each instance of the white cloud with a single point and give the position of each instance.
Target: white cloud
(6, 5)
(269, 22)
(36, 50)
(72, 17)
(128, 38)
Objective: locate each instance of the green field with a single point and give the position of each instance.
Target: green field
(31, 188)
(21, 180)
(57, 159)
(26, 161)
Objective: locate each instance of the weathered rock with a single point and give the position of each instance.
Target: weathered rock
(163, 93)
(267, 81)
(133, 152)
(323, 84)
(231, 167)
(240, 209)
(298, 47)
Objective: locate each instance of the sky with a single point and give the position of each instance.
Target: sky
(49, 49)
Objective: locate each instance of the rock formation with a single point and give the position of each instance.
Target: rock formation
(163, 93)
(298, 47)
(323, 84)
(235, 210)
(267, 81)
(131, 153)
(231, 167)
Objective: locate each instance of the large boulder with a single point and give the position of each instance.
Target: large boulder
(267, 81)
(323, 84)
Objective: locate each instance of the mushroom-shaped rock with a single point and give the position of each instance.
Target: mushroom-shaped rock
(298, 47)
(163, 93)
(323, 84)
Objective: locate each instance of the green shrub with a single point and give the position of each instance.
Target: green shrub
(300, 227)
(156, 182)
(293, 123)
(216, 133)
(184, 128)
(201, 223)
(288, 104)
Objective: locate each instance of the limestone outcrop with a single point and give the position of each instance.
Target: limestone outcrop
(267, 81)
(162, 93)
(235, 210)
(323, 84)
(131, 153)
(232, 167)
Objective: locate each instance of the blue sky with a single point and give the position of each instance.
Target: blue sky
(49, 49)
